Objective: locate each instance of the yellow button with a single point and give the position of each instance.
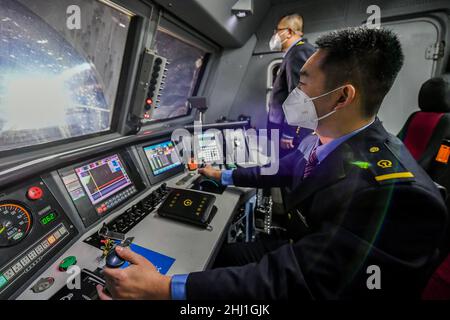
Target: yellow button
(51, 239)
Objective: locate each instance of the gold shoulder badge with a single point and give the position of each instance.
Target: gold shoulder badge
(300, 43)
(384, 164)
(397, 175)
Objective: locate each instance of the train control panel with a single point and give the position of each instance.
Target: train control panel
(33, 228)
(69, 219)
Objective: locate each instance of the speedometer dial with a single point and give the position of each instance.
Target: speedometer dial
(15, 224)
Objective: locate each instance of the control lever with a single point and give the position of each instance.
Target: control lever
(105, 233)
(112, 259)
(128, 241)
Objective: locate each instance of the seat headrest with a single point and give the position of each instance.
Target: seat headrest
(434, 95)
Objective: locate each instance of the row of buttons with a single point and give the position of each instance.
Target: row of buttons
(132, 216)
(113, 201)
(200, 206)
(32, 255)
(188, 203)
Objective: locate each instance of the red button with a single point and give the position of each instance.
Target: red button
(35, 193)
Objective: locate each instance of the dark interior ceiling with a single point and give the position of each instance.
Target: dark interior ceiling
(214, 19)
(275, 2)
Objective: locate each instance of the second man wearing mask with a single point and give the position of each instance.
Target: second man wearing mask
(287, 37)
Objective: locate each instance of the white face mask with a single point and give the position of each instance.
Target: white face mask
(276, 44)
(300, 110)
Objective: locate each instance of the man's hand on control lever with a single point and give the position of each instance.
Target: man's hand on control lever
(139, 281)
(211, 173)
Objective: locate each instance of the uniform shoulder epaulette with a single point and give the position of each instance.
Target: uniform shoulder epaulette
(300, 43)
(385, 165)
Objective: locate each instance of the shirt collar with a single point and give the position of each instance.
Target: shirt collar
(291, 46)
(324, 150)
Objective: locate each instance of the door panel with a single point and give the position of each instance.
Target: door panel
(402, 100)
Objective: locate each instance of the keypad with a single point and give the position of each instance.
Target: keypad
(132, 216)
(115, 200)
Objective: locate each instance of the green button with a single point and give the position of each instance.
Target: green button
(3, 281)
(67, 262)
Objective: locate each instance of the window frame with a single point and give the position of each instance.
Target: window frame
(20, 163)
(135, 27)
(183, 32)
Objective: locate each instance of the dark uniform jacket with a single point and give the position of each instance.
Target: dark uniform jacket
(367, 204)
(286, 81)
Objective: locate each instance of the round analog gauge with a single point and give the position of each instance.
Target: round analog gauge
(15, 224)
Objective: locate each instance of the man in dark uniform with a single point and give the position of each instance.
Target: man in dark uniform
(287, 37)
(365, 221)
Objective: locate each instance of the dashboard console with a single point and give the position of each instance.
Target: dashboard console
(55, 218)
(33, 228)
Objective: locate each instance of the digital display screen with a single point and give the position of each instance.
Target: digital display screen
(162, 157)
(103, 178)
(48, 218)
(208, 148)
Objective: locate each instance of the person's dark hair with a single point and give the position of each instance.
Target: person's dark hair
(369, 59)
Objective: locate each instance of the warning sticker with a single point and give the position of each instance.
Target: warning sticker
(443, 154)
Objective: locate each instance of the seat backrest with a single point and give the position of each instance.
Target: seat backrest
(438, 287)
(428, 124)
(421, 128)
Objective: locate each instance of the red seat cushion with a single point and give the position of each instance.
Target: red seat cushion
(419, 132)
(438, 287)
